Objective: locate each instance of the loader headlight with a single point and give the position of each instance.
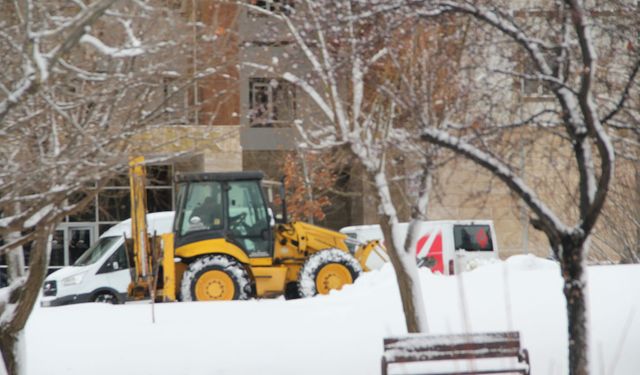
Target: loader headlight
(73, 279)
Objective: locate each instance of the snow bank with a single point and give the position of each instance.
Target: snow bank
(340, 333)
(530, 263)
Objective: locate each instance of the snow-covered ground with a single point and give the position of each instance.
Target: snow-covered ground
(340, 333)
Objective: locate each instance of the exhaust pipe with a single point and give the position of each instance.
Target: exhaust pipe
(283, 196)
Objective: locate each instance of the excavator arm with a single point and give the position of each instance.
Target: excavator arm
(149, 253)
(142, 255)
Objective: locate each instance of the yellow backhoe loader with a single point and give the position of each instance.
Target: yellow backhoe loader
(226, 245)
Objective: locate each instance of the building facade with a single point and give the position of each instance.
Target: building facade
(241, 117)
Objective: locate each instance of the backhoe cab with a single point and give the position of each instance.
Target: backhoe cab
(226, 245)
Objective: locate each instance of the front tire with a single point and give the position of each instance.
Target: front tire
(327, 270)
(215, 278)
(105, 297)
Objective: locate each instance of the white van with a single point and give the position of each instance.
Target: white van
(102, 273)
(445, 246)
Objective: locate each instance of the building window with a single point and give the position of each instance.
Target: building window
(533, 87)
(537, 87)
(274, 5)
(114, 204)
(271, 102)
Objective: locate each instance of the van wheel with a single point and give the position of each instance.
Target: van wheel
(106, 298)
(327, 270)
(215, 278)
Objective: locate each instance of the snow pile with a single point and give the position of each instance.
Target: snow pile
(340, 333)
(474, 263)
(530, 263)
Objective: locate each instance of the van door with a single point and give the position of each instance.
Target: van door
(474, 245)
(429, 247)
(114, 272)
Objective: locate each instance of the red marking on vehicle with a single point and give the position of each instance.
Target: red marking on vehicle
(435, 250)
(482, 238)
(423, 240)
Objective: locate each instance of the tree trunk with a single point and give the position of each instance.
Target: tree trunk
(403, 261)
(23, 298)
(575, 291)
(8, 344)
(413, 307)
(635, 251)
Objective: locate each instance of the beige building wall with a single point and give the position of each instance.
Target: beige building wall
(216, 148)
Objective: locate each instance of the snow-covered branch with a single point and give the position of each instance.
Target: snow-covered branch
(111, 51)
(595, 196)
(502, 171)
(37, 65)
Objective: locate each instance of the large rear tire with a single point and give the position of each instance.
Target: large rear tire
(215, 278)
(327, 270)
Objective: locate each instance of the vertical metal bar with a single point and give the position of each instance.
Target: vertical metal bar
(141, 248)
(168, 268)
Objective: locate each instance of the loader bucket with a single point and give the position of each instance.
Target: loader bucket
(372, 255)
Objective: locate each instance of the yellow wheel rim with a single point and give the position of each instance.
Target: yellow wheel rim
(214, 285)
(332, 277)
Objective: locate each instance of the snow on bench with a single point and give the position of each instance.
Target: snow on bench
(424, 348)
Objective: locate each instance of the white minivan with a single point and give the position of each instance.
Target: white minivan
(102, 273)
(445, 246)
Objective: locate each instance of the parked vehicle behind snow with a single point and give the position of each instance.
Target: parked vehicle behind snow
(102, 273)
(445, 246)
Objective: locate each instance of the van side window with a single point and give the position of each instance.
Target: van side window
(119, 256)
(472, 237)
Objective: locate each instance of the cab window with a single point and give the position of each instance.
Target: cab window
(248, 219)
(202, 207)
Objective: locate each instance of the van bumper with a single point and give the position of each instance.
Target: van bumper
(66, 300)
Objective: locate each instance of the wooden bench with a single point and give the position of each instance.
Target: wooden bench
(423, 348)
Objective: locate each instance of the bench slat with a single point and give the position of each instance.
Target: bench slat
(480, 372)
(482, 338)
(393, 356)
(419, 348)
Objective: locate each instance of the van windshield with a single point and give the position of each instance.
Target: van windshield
(95, 252)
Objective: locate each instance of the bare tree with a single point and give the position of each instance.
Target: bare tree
(555, 52)
(353, 63)
(81, 80)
